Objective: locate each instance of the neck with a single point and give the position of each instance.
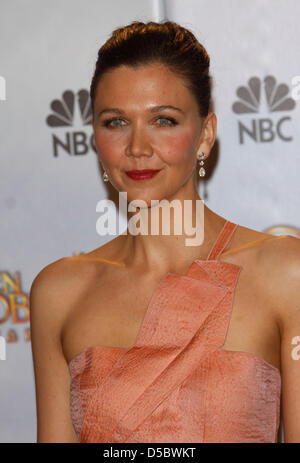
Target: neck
(172, 237)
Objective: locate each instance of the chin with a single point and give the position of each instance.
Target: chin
(135, 201)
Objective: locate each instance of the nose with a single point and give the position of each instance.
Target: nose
(139, 143)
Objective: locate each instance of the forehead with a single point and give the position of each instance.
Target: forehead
(127, 84)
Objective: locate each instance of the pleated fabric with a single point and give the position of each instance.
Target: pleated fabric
(176, 383)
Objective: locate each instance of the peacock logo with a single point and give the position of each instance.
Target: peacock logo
(72, 110)
(263, 97)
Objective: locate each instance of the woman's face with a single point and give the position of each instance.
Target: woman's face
(132, 132)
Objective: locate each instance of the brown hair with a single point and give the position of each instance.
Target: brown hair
(168, 43)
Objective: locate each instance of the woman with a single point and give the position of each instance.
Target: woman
(146, 339)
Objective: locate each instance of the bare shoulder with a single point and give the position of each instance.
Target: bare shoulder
(279, 259)
(67, 272)
(60, 275)
(259, 243)
(60, 284)
(51, 294)
(274, 261)
(273, 264)
(245, 236)
(281, 255)
(47, 282)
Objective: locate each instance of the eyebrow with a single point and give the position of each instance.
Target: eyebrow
(152, 110)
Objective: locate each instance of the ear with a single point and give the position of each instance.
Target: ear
(208, 134)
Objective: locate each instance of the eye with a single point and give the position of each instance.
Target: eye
(107, 122)
(169, 119)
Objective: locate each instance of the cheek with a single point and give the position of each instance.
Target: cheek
(172, 148)
(107, 150)
(178, 149)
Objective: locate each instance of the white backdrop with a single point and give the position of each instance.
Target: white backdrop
(255, 54)
(48, 203)
(50, 181)
(245, 40)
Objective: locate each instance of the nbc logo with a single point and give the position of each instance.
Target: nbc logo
(72, 110)
(2, 88)
(266, 97)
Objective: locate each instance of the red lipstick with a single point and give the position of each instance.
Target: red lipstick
(142, 174)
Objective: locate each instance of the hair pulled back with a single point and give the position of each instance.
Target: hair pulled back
(166, 43)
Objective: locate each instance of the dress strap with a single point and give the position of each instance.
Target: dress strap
(222, 240)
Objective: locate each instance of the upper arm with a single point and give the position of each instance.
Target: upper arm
(52, 377)
(286, 292)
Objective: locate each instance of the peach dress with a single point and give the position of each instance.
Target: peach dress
(176, 383)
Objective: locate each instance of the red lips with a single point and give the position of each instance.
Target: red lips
(142, 174)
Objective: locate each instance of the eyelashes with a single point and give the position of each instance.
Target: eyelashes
(107, 122)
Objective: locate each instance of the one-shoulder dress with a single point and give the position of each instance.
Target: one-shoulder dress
(176, 383)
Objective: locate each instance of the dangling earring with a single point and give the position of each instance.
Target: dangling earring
(201, 170)
(105, 177)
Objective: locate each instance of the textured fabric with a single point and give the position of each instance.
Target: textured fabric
(176, 383)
